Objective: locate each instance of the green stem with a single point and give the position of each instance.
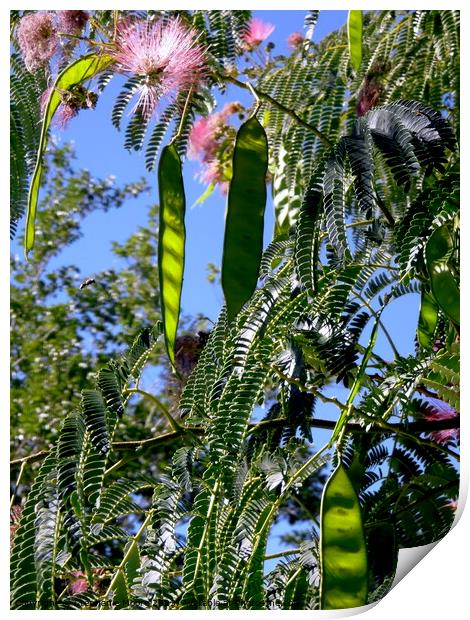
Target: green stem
(78, 38)
(282, 497)
(135, 541)
(443, 487)
(175, 427)
(307, 511)
(386, 213)
(183, 117)
(282, 554)
(382, 326)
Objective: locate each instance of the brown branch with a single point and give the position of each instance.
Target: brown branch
(37, 456)
(420, 426)
(153, 441)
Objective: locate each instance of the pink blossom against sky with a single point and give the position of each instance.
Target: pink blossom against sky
(37, 38)
(442, 411)
(294, 39)
(258, 31)
(165, 55)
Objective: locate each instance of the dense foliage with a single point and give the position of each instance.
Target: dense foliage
(359, 136)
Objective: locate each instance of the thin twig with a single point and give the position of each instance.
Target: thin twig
(384, 329)
(183, 117)
(277, 104)
(281, 554)
(31, 458)
(18, 480)
(419, 426)
(175, 427)
(135, 539)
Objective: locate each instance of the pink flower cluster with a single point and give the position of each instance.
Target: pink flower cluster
(71, 102)
(209, 139)
(72, 22)
(165, 55)
(441, 411)
(37, 38)
(257, 32)
(294, 40)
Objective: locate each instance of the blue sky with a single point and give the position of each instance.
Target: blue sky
(99, 147)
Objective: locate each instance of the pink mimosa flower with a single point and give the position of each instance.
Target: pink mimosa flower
(164, 55)
(230, 108)
(72, 22)
(441, 411)
(212, 173)
(78, 583)
(258, 31)
(452, 504)
(65, 113)
(294, 40)
(206, 133)
(202, 143)
(37, 38)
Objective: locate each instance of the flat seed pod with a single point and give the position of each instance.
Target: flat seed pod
(344, 571)
(80, 70)
(427, 321)
(171, 243)
(443, 285)
(355, 38)
(243, 241)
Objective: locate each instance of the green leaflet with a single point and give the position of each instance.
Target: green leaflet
(82, 69)
(307, 243)
(356, 386)
(243, 242)
(205, 195)
(344, 571)
(171, 240)
(427, 321)
(443, 285)
(286, 200)
(355, 38)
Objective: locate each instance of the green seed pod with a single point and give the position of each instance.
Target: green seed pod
(443, 285)
(243, 241)
(171, 243)
(344, 572)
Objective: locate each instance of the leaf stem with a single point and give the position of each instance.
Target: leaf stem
(277, 104)
(126, 557)
(382, 326)
(183, 117)
(282, 554)
(175, 427)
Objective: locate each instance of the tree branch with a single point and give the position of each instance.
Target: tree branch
(281, 554)
(420, 426)
(277, 104)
